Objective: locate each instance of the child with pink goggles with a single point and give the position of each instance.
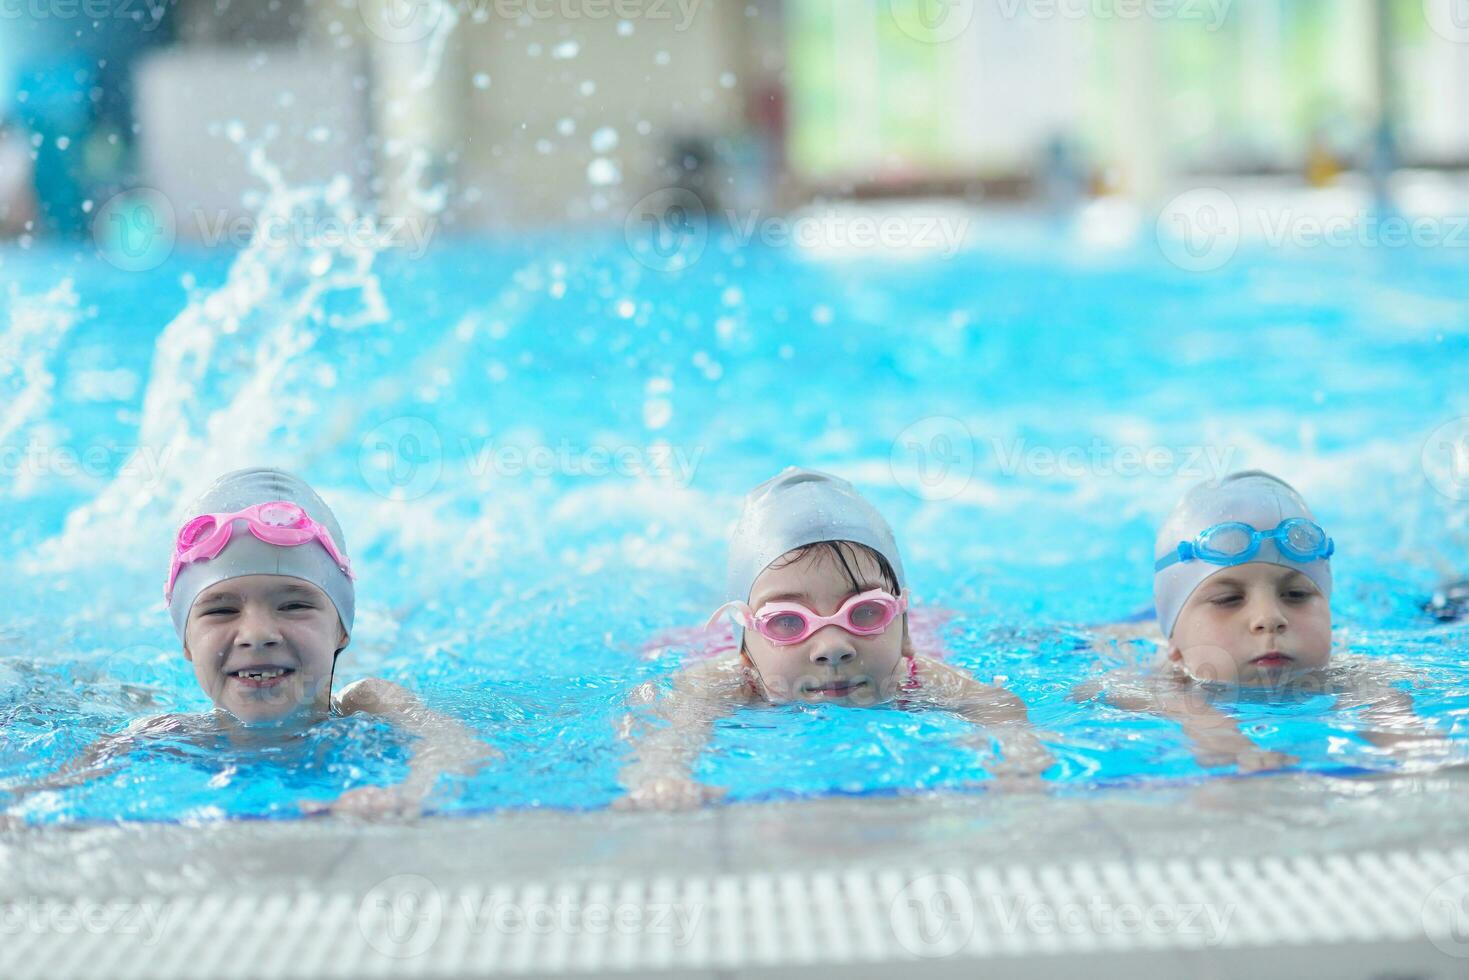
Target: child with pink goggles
(786, 623)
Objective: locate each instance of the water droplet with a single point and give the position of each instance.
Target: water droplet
(604, 140)
(481, 81)
(566, 49)
(603, 172)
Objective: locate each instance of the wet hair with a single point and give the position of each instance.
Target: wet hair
(845, 553)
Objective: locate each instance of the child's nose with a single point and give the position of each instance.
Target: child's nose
(830, 646)
(1267, 617)
(257, 629)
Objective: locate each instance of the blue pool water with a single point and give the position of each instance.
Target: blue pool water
(528, 593)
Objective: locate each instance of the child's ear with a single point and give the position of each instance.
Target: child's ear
(189, 656)
(343, 638)
(1175, 655)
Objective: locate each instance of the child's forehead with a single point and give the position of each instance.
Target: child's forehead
(1253, 572)
(818, 574)
(258, 586)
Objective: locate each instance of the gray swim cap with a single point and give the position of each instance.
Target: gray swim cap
(248, 555)
(800, 507)
(1252, 497)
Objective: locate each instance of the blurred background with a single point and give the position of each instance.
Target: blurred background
(499, 115)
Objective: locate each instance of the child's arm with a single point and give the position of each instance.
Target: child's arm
(660, 774)
(443, 745)
(1389, 711)
(1215, 736)
(996, 710)
(97, 759)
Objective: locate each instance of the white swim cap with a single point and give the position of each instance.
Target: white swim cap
(800, 507)
(248, 555)
(1252, 497)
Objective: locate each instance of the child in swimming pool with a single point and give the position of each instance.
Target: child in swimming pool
(1242, 588)
(817, 590)
(262, 597)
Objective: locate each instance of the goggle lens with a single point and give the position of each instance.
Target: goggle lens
(1229, 541)
(281, 515)
(868, 615)
(195, 531)
(1304, 539)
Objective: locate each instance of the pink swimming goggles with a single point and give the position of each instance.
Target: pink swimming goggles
(279, 523)
(786, 623)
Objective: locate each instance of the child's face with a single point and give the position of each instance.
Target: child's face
(284, 627)
(831, 665)
(1256, 624)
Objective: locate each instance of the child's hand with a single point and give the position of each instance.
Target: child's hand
(670, 793)
(1250, 759)
(1263, 760)
(372, 801)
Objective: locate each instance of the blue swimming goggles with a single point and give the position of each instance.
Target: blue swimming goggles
(1233, 543)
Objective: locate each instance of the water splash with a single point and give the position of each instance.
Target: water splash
(28, 345)
(232, 379)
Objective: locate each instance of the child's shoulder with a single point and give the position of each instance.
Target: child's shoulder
(373, 695)
(940, 679)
